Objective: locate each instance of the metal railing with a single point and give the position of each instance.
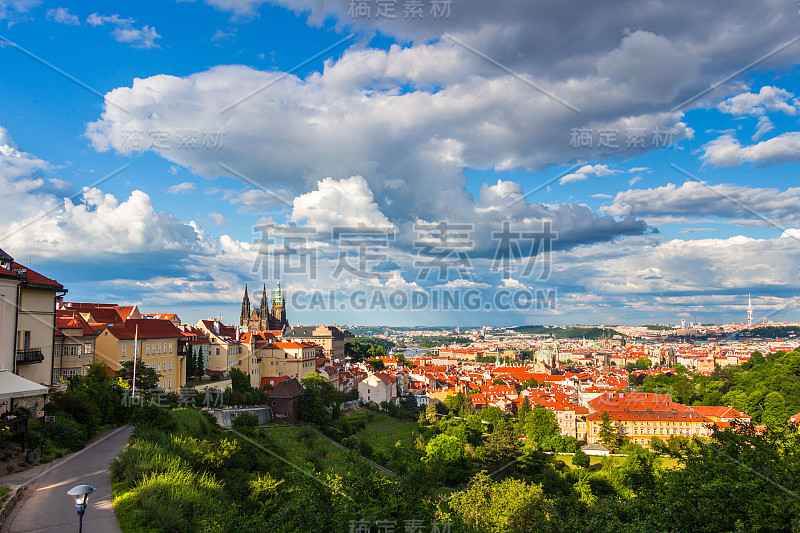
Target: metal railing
(31, 355)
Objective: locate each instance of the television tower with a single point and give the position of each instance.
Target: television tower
(749, 311)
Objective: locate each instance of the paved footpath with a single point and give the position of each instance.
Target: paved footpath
(45, 506)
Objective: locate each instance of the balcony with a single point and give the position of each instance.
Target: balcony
(29, 356)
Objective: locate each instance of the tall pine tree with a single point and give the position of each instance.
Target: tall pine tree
(199, 363)
(191, 371)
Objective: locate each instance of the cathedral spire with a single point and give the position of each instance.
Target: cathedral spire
(244, 318)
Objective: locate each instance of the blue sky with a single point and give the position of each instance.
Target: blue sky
(303, 114)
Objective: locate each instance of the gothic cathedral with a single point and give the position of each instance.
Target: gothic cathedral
(262, 318)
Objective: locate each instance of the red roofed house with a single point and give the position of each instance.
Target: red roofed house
(295, 359)
(74, 345)
(378, 387)
(639, 417)
(160, 346)
(722, 414)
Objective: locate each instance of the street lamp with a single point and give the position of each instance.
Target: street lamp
(81, 493)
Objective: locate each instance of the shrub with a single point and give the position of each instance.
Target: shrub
(581, 459)
(65, 432)
(150, 416)
(248, 420)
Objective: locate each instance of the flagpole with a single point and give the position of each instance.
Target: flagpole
(135, 344)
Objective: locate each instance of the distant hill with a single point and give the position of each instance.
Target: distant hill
(572, 332)
(773, 331)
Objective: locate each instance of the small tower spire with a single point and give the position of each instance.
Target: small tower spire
(244, 318)
(749, 311)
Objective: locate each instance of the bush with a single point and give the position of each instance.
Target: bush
(150, 416)
(581, 459)
(245, 420)
(65, 432)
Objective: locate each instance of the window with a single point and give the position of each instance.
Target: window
(170, 348)
(159, 367)
(169, 383)
(170, 365)
(57, 350)
(124, 349)
(217, 351)
(159, 347)
(147, 349)
(26, 340)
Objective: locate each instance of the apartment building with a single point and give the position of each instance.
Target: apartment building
(27, 320)
(158, 344)
(74, 345)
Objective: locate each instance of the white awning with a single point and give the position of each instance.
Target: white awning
(14, 386)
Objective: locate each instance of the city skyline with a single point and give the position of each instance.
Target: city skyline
(642, 176)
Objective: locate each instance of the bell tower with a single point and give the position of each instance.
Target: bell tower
(278, 309)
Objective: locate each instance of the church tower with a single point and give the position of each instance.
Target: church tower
(244, 318)
(278, 309)
(554, 360)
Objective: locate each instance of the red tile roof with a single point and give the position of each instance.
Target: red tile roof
(30, 277)
(148, 328)
(68, 319)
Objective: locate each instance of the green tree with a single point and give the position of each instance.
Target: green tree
(501, 447)
(643, 363)
(507, 506)
(410, 403)
(445, 457)
(524, 409)
(376, 364)
(240, 382)
(735, 483)
(774, 415)
(200, 364)
(683, 392)
(458, 404)
(430, 414)
(541, 427)
(191, 371)
(656, 444)
(581, 459)
(146, 377)
(757, 358)
(608, 434)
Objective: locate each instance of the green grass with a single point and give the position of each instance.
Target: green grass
(4, 493)
(666, 462)
(300, 446)
(191, 422)
(384, 431)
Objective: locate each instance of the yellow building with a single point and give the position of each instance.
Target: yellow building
(293, 359)
(639, 426)
(161, 346)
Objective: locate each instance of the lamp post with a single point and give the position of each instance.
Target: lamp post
(81, 493)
